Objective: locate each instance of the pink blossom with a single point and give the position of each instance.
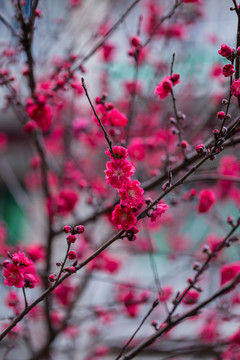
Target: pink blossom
(191, 297)
(235, 88)
(65, 293)
(119, 152)
(124, 217)
(225, 50)
(229, 272)
(136, 149)
(131, 194)
(164, 87)
(35, 251)
(71, 239)
(216, 70)
(221, 115)
(77, 86)
(66, 201)
(133, 87)
(41, 113)
(174, 30)
(166, 293)
(228, 70)
(30, 126)
(206, 200)
(200, 148)
(160, 209)
(118, 172)
(13, 276)
(209, 332)
(108, 50)
(30, 277)
(19, 258)
(3, 141)
(213, 241)
(12, 299)
(72, 255)
(116, 118)
(105, 262)
(131, 299)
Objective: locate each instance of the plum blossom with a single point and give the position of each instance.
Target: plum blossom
(165, 86)
(20, 271)
(206, 201)
(118, 172)
(131, 194)
(124, 217)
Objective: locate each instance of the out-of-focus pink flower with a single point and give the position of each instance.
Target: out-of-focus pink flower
(229, 272)
(206, 201)
(235, 88)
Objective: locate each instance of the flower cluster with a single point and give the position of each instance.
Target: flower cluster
(20, 271)
(109, 114)
(157, 211)
(118, 175)
(165, 86)
(131, 299)
(63, 203)
(40, 112)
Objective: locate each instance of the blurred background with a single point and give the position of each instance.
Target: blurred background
(171, 247)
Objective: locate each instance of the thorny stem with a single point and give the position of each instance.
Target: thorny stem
(98, 119)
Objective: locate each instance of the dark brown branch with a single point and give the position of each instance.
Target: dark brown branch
(154, 305)
(195, 311)
(176, 113)
(7, 24)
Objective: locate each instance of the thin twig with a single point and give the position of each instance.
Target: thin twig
(176, 113)
(98, 119)
(8, 25)
(25, 298)
(154, 305)
(193, 312)
(109, 32)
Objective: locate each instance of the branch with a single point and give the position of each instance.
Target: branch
(8, 25)
(195, 311)
(109, 32)
(154, 305)
(98, 119)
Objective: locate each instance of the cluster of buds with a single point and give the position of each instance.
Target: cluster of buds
(71, 255)
(130, 234)
(136, 47)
